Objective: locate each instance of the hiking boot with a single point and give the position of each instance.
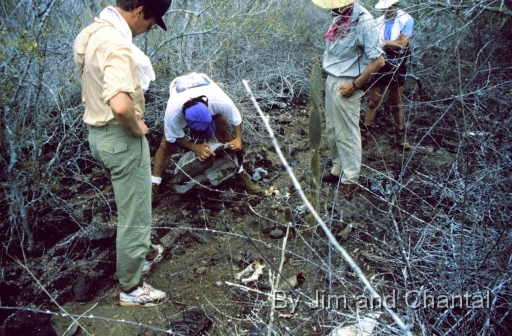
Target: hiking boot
(244, 180)
(401, 143)
(330, 178)
(347, 191)
(144, 295)
(148, 264)
(155, 194)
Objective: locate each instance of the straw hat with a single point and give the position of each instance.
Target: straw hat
(330, 4)
(385, 4)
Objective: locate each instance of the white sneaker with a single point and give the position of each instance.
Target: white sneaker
(145, 295)
(149, 263)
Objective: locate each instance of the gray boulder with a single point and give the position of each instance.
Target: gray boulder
(191, 172)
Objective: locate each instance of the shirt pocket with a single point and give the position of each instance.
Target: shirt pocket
(343, 49)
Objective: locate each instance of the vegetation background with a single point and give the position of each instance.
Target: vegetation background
(458, 237)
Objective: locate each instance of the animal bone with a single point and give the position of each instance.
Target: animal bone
(257, 272)
(246, 270)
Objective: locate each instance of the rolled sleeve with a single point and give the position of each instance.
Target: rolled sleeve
(370, 40)
(118, 72)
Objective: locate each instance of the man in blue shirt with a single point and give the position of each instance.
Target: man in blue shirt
(353, 52)
(395, 30)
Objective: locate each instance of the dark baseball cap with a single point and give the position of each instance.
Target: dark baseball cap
(157, 9)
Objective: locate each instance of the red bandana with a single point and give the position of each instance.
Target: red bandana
(342, 22)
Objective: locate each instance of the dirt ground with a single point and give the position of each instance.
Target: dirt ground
(210, 235)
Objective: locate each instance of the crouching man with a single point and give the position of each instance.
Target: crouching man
(198, 102)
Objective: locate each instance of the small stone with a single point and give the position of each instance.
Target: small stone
(276, 233)
(267, 227)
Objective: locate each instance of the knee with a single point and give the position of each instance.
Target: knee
(373, 103)
(166, 147)
(375, 97)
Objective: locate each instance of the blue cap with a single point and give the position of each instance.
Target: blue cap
(200, 121)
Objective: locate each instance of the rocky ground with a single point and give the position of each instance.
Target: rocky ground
(211, 235)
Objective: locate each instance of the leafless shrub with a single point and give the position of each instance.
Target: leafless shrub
(437, 223)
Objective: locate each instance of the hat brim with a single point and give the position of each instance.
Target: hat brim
(160, 22)
(205, 134)
(384, 5)
(331, 4)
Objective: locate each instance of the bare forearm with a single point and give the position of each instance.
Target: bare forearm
(348, 89)
(399, 44)
(124, 113)
(185, 144)
(202, 150)
(365, 76)
(236, 143)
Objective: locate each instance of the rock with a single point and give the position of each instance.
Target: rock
(194, 322)
(345, 232)
(215, 170)
(262, 329)
(83, 289)
(63, 326)
(364, 327)
(276, 233)
(267, 227)
(259, 173)
(292, 282)
(29, 323)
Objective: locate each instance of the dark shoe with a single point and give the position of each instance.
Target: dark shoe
(244, 181)
(330, 178)
(155, 194)
(348, 190)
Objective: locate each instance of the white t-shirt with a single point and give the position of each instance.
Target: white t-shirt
(190, 86)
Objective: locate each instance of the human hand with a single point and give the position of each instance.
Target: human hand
(235, 144)
(143, 128)
(346, 90)
(203, 151)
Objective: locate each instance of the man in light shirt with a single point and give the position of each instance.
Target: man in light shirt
(112, 71)
(353, 52)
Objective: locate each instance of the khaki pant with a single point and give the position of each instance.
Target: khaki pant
(342, 130)
(126, 160)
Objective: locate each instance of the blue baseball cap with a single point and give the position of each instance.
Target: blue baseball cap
(200, 121)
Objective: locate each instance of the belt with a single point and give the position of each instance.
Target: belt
(106, 128)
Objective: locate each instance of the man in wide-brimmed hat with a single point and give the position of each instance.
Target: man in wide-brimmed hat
(353, 52)
(395, 29)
